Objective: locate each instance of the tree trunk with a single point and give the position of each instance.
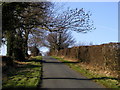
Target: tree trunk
(19, 53)
(26, 47)
(26, 43)
(10, 39)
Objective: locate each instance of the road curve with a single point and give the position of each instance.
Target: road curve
(59, 75)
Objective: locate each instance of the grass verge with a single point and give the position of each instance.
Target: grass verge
(108, 82)
(26, 74)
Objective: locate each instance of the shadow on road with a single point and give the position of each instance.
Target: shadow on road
(56, 62)
(99, 78)
(31, 60)
(65, 78)
(44, 61)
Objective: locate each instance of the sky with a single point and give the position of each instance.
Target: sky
(105, 18)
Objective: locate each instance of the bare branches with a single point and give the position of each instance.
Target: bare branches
(36, 37)
(72, 19)
(57, 41)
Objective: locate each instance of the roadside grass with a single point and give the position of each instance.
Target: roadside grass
(108, 82)
(27, 75)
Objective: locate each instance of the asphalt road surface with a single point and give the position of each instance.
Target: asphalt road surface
(59, 75)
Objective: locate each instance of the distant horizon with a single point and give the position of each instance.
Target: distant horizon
(3, 51)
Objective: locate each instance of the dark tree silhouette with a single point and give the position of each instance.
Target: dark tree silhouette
(19, 18)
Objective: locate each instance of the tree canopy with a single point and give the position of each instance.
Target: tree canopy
(19, 19)
(25, 24)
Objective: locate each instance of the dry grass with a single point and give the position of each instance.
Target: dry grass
(94, 69)
(18, 62)
(69, 59)
(97, 70)
(102, 77)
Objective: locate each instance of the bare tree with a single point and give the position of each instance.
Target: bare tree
(59, 23)
(36, 38)
(71, 19)
(57, 41)
(34, 15)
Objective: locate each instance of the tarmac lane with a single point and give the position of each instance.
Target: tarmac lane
(58, 75)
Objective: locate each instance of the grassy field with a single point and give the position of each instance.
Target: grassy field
(26, 74)
(108, 82)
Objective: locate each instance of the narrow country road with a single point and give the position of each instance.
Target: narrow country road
(58, 75)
